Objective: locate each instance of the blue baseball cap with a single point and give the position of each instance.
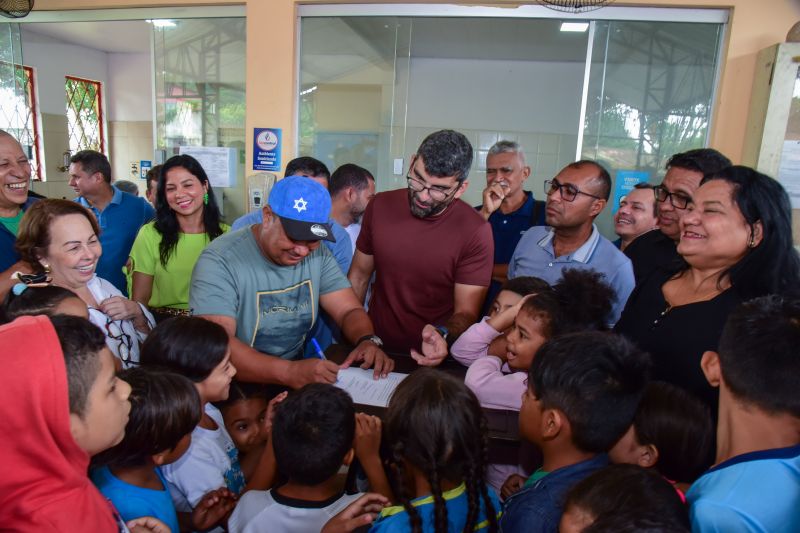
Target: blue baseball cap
(303, 207)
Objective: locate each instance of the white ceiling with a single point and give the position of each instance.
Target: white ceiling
(108, 36)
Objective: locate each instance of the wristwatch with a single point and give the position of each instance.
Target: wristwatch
(374, 339)
(442, 331)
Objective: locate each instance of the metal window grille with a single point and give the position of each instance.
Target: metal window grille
(18, 111)
(85, 127)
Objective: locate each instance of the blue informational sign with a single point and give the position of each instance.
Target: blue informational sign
(267, 149)
(625, 182)
(144, 168)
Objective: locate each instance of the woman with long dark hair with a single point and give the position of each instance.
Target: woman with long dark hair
(736, 243)
(165, 251)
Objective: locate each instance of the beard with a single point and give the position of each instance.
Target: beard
(430, 209)
(356, 215)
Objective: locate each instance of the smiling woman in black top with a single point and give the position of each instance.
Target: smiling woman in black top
(736, 240)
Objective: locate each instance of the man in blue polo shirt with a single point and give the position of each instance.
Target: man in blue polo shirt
(508, 208)
(119, 214)
(574, 199)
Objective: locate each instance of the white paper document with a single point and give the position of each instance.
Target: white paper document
(366, 390)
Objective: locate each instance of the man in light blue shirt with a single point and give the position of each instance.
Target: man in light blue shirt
(571, 240)
(119, 214)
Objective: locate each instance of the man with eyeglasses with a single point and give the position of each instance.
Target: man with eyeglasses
(571, 239)
(432, 254)
(684, 172)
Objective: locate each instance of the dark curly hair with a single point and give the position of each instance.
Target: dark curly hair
(580, 301)
(446, 153)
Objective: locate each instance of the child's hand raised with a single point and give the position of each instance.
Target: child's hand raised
(368, 436)
(505, 318)
(360, 513)
(212, 509)
(270, 416)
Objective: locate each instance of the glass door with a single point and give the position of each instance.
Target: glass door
(628, 93)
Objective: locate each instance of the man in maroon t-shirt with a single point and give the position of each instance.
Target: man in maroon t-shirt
(432, 254)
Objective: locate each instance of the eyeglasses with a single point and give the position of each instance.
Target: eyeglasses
(568, 192)
(436, 193)
(678, 200)
(123, 341)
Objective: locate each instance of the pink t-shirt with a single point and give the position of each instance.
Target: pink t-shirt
(418, 261)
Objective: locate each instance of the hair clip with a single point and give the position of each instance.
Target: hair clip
(18, 288)
(32, 280)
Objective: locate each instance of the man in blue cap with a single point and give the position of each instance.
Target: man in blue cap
(265, 285)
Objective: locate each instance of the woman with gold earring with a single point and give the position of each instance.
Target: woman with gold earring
(60, 238)
(165, 251)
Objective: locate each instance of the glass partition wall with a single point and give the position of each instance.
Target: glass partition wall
(627, 93)
(200, 92)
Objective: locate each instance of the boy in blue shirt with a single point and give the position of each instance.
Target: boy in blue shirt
(583, 391)
(165, 408)
(755, 483)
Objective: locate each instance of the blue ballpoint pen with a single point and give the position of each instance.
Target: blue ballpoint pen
(317, 347)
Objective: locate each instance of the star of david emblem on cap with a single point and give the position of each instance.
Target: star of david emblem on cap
(300, 204)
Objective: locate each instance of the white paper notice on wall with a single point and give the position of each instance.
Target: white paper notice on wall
(789, 171)
(219, 162)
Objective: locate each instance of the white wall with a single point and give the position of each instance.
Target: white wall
(127, 103)
(471, 94)
(129, 90)
(55, 59)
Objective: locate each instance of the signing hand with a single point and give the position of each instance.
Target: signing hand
(434, 348)
(370, 354)
(312, 371)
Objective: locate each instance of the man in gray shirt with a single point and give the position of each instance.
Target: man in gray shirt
(265, 284)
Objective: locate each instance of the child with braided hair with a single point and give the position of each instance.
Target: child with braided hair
(437, 437)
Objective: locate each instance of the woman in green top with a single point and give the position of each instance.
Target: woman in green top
(165, 251)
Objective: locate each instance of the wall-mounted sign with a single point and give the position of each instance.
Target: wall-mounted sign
(267, 149)
(625, 182)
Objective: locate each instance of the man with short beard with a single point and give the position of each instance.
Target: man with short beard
(352, 188)
(432, 254)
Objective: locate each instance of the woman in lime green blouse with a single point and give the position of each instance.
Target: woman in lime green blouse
(165, 251)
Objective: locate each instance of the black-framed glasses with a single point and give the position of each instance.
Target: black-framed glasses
(121, 340)
(568, 192)
(678, 200)
(434, 191)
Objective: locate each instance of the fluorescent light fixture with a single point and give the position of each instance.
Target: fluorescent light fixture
(162, 23)
(308, 91)
(575, 26)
